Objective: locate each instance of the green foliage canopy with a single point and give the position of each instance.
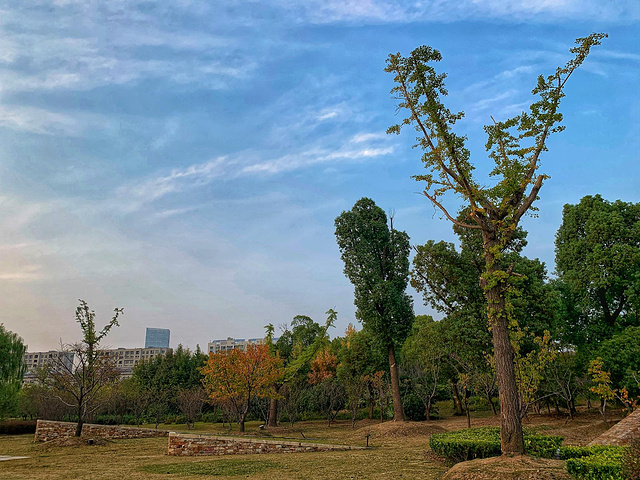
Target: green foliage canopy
(621, 356)
(170, 373)
(376, 261)
(598, 259)
(11, 369)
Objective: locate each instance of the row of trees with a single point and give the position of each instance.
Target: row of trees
(304, 372)
(575, 334)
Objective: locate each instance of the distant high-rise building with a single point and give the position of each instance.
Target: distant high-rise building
(157, 337)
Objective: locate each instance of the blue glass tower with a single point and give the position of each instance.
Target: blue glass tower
(157, 337)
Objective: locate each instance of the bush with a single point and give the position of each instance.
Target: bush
(631, 460)
(485, 442)
(603, 465)
(212, 417)
(599, 462)
(413, 408)
(17, 427)
(177, 419)
(573, 451)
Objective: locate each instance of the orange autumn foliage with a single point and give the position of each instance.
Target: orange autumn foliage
(238, 376)
(323, 367)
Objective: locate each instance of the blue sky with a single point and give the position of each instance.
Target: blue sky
(186, 160)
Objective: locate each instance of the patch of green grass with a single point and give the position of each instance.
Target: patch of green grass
(220, 468)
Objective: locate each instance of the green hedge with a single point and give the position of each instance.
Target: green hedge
(484, 442)
(604, 464)
(17, 427)
(573, 451)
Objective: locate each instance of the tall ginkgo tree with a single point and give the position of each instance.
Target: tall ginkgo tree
(515, 146)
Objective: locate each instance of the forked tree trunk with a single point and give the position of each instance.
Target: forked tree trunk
(398, 414)
(511, 437)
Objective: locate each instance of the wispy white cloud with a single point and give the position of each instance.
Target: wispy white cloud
(176, 211)
(398, 11)
(24, 274)
(367, 137)
(92, 44)
(45, 122)
(292, 162)
(327, 115)
(603, 52)
(486, 103)
(132, 196)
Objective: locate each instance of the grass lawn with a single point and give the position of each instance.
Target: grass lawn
(399, 451)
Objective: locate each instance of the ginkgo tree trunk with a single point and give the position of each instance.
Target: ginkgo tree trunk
(515, 145)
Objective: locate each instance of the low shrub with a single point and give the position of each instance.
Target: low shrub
(413, 408)
(177, 419)
(212, 417)
(606, 464)
(573, 451)
(110, 419)
(17, 427)
(484, 442)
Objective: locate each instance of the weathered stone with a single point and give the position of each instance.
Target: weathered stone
(47, 430)
(197, 445)
(622, 432)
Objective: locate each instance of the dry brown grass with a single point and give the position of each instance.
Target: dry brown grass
(398, 451)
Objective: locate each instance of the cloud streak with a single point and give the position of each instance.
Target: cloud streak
(397, 11)
(132, 197)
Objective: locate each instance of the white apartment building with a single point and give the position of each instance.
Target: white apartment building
(35, 360)
(217, 346)
(127, 358)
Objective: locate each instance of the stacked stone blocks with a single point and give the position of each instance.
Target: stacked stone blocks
(197, 445)
(47, 430)
(622, 432)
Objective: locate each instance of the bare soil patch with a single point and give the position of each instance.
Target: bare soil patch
(391, 430)
(509, 468)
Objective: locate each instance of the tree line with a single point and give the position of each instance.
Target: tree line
(576, 335)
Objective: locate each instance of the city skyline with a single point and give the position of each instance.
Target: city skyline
(186, 161)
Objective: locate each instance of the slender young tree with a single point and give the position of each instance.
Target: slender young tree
(515, 145)
(90, 370)
(376, 261)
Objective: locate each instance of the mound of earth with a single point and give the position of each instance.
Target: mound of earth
(509, 468)
(397, 429)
